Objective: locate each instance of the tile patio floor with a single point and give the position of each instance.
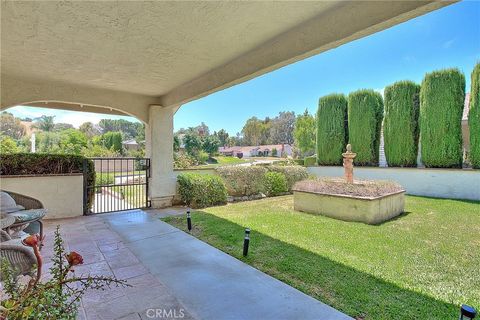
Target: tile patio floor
(173, 273)
(106, 253)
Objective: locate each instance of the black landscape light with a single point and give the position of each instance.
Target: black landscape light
(189, 221)
(467, 312)
(246, 242)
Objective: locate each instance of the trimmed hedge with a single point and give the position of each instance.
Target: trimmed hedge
(293, 174)
(474, 118)
(275, 183)
(365, 113)
(201, 190)
(331, 129)
(242, 180)
(441, 106)
(39, 163)
(400, 126)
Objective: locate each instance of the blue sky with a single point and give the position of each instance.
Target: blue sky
(449, 37)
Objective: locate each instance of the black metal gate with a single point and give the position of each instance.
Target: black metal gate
(120, 184)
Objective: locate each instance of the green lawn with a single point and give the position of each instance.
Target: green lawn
(105, 178)
(133, 194)
(222, 161)
(422, 265)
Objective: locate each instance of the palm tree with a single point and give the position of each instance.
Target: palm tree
(45, 123)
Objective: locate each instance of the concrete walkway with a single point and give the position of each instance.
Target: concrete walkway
(105, 254)
(208, 282)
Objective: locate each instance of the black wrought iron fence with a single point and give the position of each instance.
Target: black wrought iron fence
(120, 184)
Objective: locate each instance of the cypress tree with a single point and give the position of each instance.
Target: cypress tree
(442, 95)
(400, 126)
(365, 114)
(331, 129)
(474, 118)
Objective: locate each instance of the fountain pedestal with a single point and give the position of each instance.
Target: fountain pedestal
(348, 163)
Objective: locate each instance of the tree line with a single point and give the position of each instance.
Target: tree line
(105, 138)
(93, 140)
(285, 128)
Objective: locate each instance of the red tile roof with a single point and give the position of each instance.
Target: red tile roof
(247, 149)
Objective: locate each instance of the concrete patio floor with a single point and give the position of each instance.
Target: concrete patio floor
(173, 275)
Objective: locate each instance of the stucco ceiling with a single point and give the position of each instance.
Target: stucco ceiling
(142, 47)
(178, 51)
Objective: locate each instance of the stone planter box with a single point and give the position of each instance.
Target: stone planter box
(372, 210)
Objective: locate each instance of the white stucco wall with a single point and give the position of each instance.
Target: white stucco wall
(61, 195)
(439, 183)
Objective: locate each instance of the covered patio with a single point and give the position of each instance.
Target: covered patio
(146, 59)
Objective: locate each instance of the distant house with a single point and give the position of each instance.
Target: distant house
(130, 145)
(258, 151)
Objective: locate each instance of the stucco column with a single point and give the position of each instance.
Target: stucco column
(159, 148)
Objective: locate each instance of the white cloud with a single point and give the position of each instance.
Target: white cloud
(75, 118)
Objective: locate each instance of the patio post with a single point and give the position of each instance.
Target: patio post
(159, 148)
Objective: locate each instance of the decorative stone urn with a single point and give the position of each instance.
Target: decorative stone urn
(348, 163)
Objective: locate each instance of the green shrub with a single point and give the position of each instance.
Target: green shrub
(365, 113)
(113, 140)
(331, 129)
(201, 190)
(202, 157)
(400, 127)
(39, 163)
(293, 174)
(183, 160)
(300, 162)
(242, 180)
(441, 106)
(99, 151)
(104, 179)
(8, 145)
(275, 183)
(474, 118)
(310, 161)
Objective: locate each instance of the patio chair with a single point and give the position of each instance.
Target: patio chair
(27, 217)
(25, 201)
(21, 258)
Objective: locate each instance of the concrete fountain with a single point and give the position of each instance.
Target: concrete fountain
(367, 201)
